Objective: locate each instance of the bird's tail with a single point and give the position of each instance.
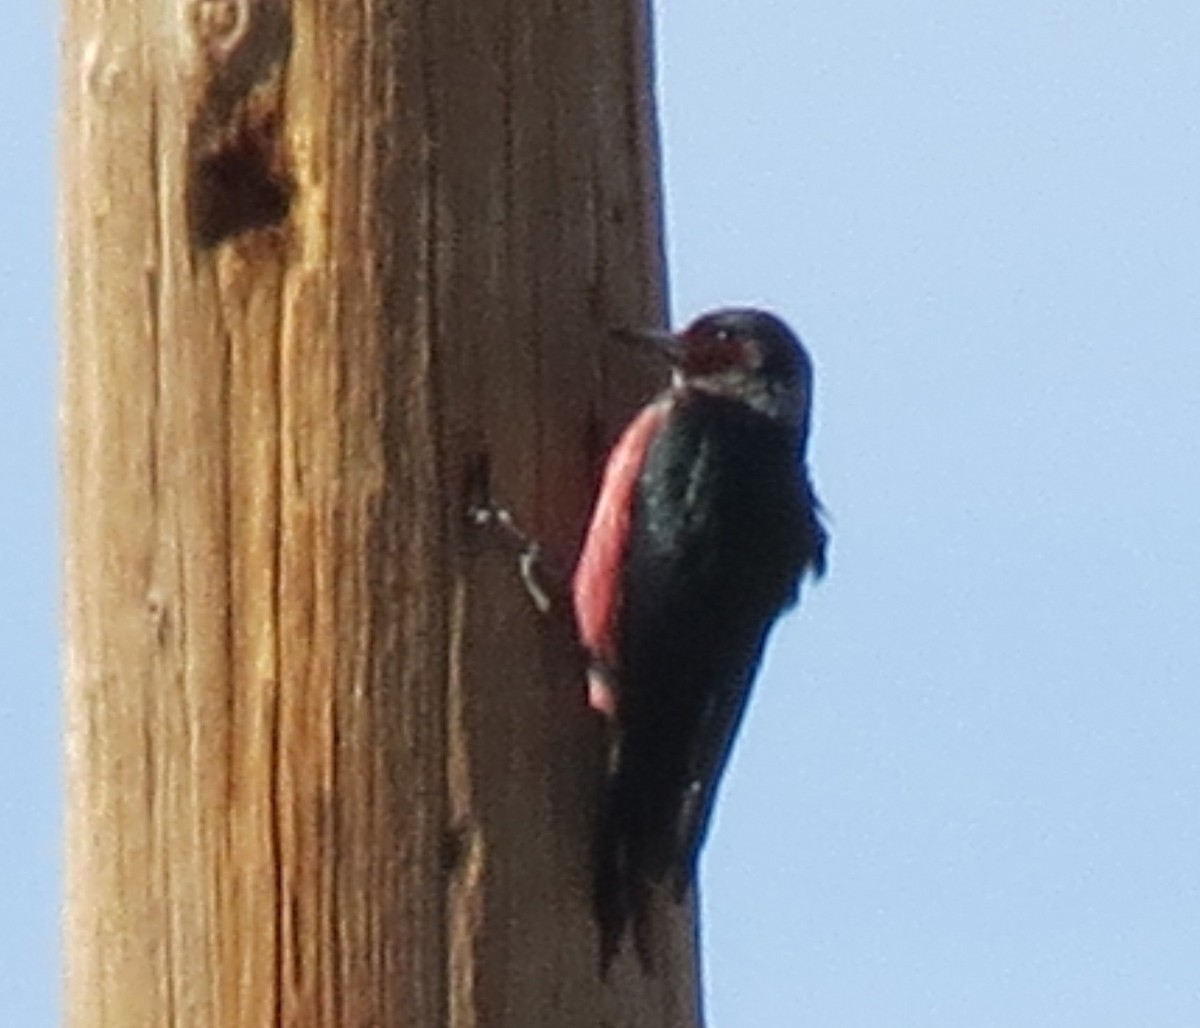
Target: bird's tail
(633, 865)
(610, 892)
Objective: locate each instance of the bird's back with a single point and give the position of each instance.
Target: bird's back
(724, 525)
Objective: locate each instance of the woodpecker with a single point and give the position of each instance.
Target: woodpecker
(705, 525)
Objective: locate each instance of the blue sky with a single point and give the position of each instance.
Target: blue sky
(30, 802)
(969, 789)
(968, 792)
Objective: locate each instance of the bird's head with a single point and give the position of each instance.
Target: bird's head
(742, 353)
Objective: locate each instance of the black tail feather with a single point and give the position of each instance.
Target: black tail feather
(631, 866)
(610, 895)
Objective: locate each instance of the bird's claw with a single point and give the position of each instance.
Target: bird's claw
(530, 550)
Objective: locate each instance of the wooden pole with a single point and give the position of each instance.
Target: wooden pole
(328, 265)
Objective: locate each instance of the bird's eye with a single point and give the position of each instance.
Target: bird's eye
(723, 335)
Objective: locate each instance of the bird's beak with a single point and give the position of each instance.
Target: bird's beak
(659, 341)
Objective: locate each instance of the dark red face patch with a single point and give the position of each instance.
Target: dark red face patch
(710, 353)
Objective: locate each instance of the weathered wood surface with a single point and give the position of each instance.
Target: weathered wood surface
(325, 265)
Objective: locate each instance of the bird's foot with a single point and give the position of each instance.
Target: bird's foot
(529, 557)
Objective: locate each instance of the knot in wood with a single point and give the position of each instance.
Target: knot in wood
(219, 25)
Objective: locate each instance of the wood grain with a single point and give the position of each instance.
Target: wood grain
(325, 264)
